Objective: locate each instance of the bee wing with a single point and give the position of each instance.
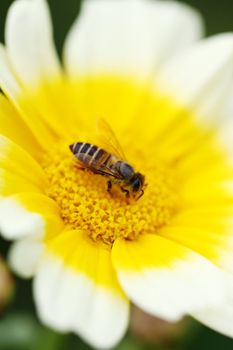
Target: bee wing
(97, 168)
(103, 170)
(108, 140)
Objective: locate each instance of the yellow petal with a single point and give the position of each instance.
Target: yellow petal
(207, 231)
(12, 126)
(17, 161)
(75, 248)
(13, 90)
(11, 184)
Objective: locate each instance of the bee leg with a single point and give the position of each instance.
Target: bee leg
(141, 194)
(109, 186)
(80, 168)
(126, 192)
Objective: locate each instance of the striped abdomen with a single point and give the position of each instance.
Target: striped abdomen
(90, 155)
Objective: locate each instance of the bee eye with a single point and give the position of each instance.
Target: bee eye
(136, 185)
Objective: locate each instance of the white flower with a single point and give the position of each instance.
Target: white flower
(142, 66)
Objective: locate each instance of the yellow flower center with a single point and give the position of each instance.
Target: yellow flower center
(85, 203)
(161, 140)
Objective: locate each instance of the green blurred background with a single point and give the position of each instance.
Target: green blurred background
(19, 327)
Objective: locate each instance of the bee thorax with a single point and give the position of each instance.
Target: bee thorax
(125, 169)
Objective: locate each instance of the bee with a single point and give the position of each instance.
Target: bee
(109, 161)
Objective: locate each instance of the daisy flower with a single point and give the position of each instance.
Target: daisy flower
(143, 67)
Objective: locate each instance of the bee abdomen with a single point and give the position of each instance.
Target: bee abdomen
(88, 153)
(81, 148)
(75, 147)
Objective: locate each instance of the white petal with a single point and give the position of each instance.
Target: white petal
(229, 105)
(166, 279)
(29, 41)
(219, 318)
(24, 256)
(201, 76)
(68, 300)
(29, 214)
(225, 129)
(128, 37)
(17, 221)
(8, 81)
(172, 293)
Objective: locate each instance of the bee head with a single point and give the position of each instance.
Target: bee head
(137, 182)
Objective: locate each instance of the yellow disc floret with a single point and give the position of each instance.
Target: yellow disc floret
(85, 203)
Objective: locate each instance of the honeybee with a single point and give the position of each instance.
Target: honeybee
(109, 161)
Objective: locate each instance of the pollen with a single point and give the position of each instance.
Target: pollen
(86, 204)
